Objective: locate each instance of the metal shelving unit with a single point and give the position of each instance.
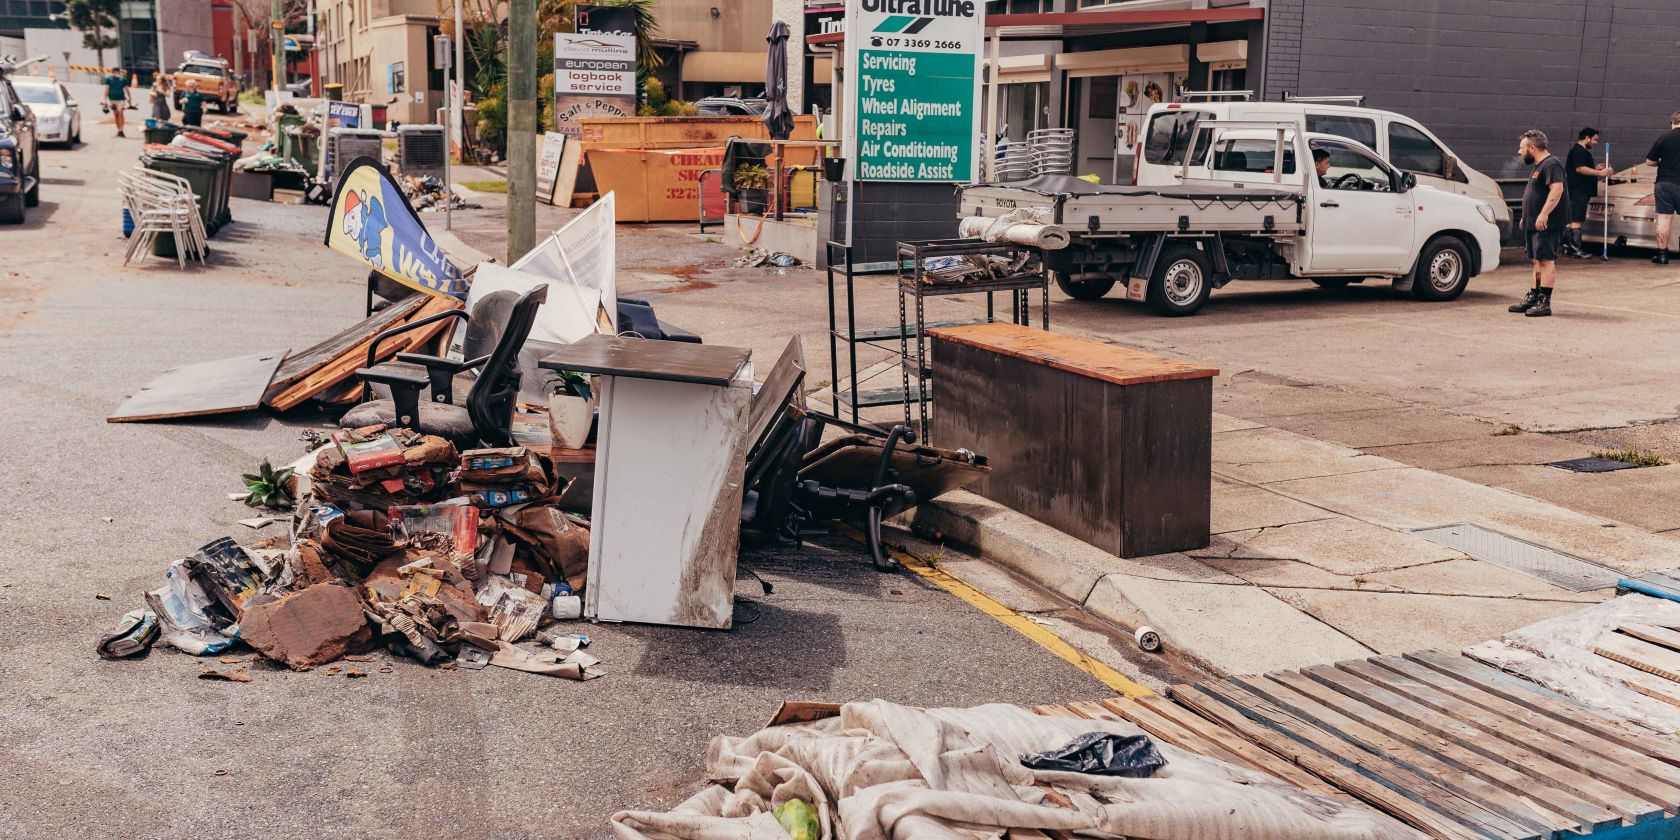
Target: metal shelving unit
(916, 284)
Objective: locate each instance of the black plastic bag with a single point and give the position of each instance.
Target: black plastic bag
(1101, 754)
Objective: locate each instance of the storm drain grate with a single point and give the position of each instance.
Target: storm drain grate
(1552, 566)
(1593, 465)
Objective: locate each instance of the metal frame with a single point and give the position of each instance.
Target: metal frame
(912, 284)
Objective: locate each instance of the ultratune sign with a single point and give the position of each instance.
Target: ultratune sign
(915, 80)
(594, 70)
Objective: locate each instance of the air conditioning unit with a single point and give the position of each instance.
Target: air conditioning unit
(345, 145)
(421, 150)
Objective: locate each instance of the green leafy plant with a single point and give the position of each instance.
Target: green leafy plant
(751, 176)
(94, 18)
(577, 384)
(270, 488)
(1638, 457)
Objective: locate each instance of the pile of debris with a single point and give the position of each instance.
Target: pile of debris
(427, 194)
(396, 539)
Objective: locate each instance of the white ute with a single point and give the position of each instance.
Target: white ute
(1244, 210)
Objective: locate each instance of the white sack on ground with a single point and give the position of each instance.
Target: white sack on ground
(1022, 227)
(881, 771)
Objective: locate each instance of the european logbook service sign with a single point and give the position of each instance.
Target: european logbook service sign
(914, 68)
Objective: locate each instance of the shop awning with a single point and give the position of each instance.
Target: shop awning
(1016, 69)
(1159, 59)
(1092, 22)
(1223, 55)
(730, 67)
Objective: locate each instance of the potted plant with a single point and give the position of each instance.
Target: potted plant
(571, 410)
(752, 187)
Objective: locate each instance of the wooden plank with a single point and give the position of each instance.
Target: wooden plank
(1164, 729)
(345, 364)
(1535, 819)
(1081, 356)
(1376, 763)
(1546, 800)
(1659, 636)
(1643, 655)
(1604, 754)
(1051, 710)
(1536, 766)
(307, 361)
(220, 387)
(1416, 814)
(1517, 690)
(1597, 766)
(781, 386)
(1245, 753)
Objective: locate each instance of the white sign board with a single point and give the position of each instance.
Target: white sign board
(548, 165)
(913, 70)
(594, 76)
(584, 252)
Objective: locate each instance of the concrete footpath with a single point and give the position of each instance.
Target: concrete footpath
(1313, 557)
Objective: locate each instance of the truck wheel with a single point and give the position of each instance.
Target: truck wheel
(1180, 284)
(1443, 269)
(11, 209)
(1084, 289)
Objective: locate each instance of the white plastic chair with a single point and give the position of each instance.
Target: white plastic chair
(161, 203)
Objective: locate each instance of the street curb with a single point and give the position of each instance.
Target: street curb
(461, 251)
(1129, 594)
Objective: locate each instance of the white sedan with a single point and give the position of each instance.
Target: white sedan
(58, 119)
(1631, 202)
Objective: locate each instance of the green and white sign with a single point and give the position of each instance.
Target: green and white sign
(914, 70)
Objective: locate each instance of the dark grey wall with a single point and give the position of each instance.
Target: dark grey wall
(1480, 72)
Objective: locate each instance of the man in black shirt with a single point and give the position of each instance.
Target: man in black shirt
(1544, 215)
(1582, 186)
(1665, 156)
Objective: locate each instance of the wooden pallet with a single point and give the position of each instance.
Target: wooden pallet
(1442, 743)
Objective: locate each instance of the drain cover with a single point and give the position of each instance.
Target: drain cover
(1552, 566)
(1593, 465)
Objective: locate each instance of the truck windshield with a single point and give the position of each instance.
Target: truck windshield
(1169, 135)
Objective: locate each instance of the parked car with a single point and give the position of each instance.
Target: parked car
(57, 116)
(301, 87)
(1399, 139)
(1631, 201)
(20, 158)
(215, 81)
(730, 106)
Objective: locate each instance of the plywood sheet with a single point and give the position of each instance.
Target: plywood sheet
(220, 387)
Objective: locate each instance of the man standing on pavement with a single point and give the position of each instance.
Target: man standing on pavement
(1665, 156)
(116, 97)
(1544, 215)
(1582, 186)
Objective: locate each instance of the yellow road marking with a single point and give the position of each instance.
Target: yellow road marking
(1015, 621)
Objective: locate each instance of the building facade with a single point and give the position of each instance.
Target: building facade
(1480, 72)
(381, 51)
(729, 47)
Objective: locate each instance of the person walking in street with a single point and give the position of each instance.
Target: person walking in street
(160, 98)
(1582, 185)
(1665, 156)
(1545, 212)
(116, 97)
(192, 105)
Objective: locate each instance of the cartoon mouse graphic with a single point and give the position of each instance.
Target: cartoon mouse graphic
(364, 221)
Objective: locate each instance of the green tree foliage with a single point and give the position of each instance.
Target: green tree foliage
(93, 18)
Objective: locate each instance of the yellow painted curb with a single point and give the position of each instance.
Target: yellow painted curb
(1017, 622)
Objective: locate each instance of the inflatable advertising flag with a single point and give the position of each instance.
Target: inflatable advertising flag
(372, 223)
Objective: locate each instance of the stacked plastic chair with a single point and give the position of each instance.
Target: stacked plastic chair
(1052, 150)
(159, 204)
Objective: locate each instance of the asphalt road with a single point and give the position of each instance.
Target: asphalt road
(94, 749)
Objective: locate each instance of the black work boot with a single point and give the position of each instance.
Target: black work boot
(1542, 307)
(1661, 258)
(1524, 304)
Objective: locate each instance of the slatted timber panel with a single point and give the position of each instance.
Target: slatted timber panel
(1451, 747)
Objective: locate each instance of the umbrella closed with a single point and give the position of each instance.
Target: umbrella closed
(777, 118)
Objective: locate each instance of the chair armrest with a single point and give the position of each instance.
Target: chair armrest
(373, 348)
(406, 381)
(441, 372)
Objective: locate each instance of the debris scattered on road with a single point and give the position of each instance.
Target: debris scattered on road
(759, 257)
(237, 675)
(133, 637)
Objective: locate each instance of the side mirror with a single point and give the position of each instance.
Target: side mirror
(19, 112)
(1407, 181)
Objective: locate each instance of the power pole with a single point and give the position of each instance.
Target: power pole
(278, 36)
(522, 128)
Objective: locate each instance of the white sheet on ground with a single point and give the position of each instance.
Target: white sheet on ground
(881, 771)
(1558, 654)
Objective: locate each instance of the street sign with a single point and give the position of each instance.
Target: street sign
(595, 68)
(914, 68)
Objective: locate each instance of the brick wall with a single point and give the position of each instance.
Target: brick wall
(1479, 72)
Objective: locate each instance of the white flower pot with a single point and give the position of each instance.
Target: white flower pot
(569, 419)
